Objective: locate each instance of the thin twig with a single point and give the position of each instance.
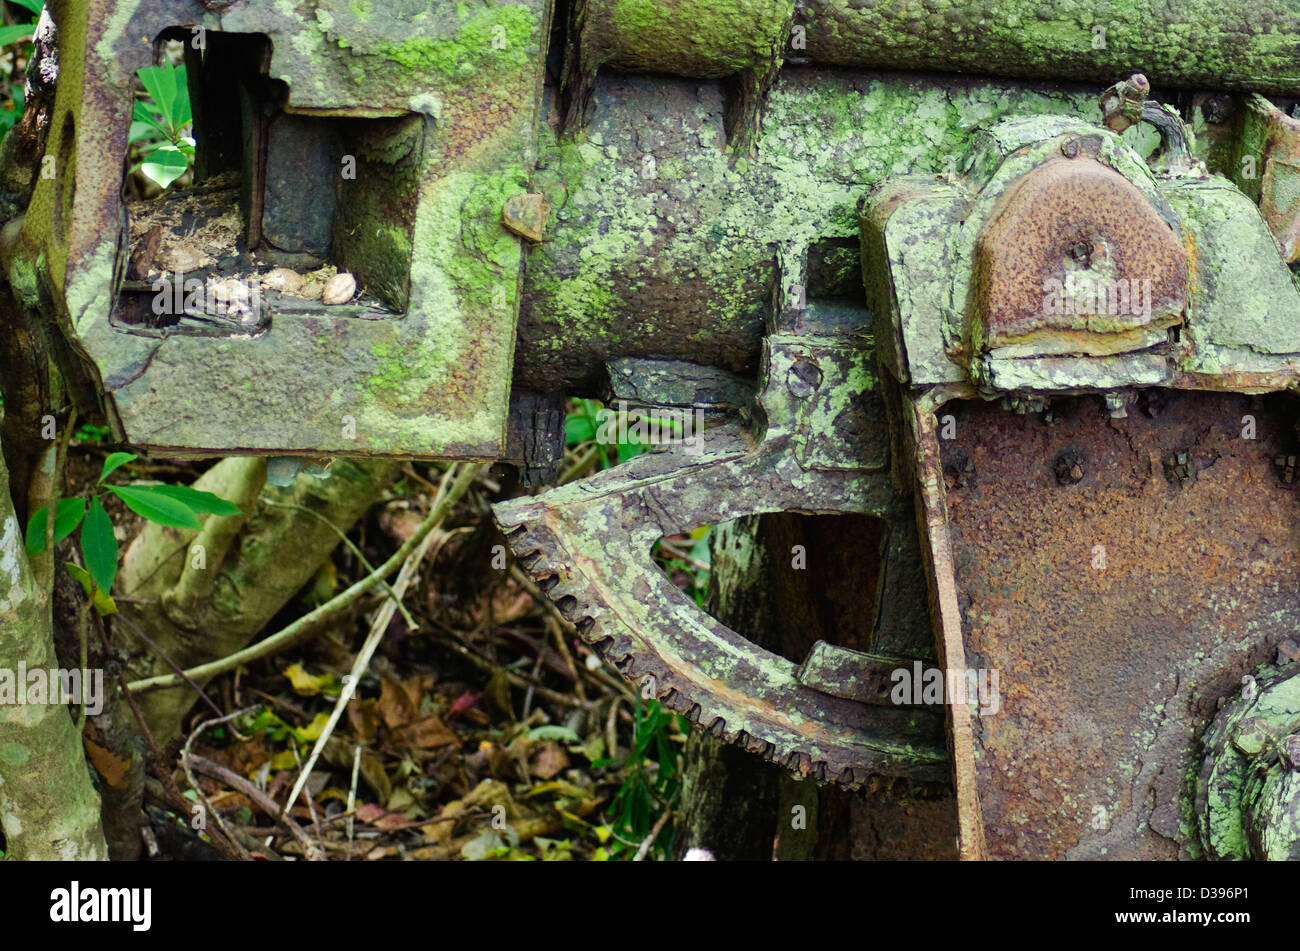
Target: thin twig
(516, 680)
(307, 624)
(265, 803)
(377, 629)
(654, 834)
(352, 796)
(311, 806)
(167, 659)
(410, 621)
(194, 783)
(611, 731)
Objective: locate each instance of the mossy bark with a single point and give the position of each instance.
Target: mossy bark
(48, 806)
(205, 595)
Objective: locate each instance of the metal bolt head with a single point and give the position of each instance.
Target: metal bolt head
(803, 378)
(1291, 751)
(1069, 467)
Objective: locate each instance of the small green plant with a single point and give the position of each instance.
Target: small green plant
(176, 506)
(584, 423)
(161, 126)
(22, 31)
(652, 781)
(90, 433)
(9, 35)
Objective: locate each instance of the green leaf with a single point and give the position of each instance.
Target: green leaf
(35, 539)
(145, 123)
(200, 502)
(101, 602)
(99, 546)
(578, 427)
(67, 515)
(33, 5)
(160, 84)
(114, 461)
(165, 165)
(147, 502)
(12, 34)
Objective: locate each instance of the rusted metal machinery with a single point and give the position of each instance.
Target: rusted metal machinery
(1046, 330)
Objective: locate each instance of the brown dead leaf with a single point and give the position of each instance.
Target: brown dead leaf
(108, 764)
(368, 812)
(246, 758)
(491, 793)
(508, 602)
(424, 734)
(547, 760)
(399, 700)
(363, 715)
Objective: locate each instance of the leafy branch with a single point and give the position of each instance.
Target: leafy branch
(161, 125)
(175, 506)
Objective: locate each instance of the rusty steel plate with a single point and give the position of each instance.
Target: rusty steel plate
(1121, 575)
(1077, 219)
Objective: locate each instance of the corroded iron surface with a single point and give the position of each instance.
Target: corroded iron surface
(1071, 221)
(1118, 609)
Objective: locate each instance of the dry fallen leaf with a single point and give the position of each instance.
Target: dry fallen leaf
(108, 764)
(547, 759)
(306, 684)
(425, 733)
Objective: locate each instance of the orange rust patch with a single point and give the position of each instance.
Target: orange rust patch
(1068, 219)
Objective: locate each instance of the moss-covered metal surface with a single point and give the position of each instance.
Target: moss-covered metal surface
(464, 81)
(589, 546)
(1247, 791)
(662, 243)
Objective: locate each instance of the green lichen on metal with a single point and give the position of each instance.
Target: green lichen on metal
(699, 37)
(1244, 301)
(1247, 793)
(632, 242)
(441, 104)
(1227, 45)
(477, 43)
(14, 755)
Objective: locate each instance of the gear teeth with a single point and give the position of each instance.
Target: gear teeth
(543, 556)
